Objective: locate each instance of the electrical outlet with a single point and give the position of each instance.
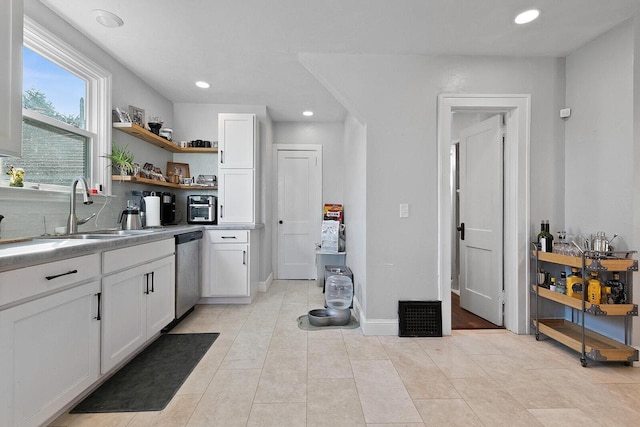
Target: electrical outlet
(404, 210)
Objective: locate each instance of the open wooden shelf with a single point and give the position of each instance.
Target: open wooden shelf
(140, 180)
(150, 137)
(597, 347)
(609, 264)
(597, 309)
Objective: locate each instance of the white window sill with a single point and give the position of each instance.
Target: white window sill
(37, 192)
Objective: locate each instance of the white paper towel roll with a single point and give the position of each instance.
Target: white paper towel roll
(152, 211)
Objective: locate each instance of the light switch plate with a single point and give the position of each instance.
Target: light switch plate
(404, 210)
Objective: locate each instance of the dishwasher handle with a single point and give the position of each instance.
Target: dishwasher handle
(188, 237)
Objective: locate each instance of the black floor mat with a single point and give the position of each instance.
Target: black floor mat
(152, 378)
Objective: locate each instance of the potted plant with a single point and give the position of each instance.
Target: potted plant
(121, 159)
(16, 176)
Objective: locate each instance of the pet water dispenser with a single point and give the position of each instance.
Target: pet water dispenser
(338, 296)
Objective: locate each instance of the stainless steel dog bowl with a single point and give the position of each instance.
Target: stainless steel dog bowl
(329, 317)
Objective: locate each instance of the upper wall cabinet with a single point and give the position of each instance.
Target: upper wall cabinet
(236, 141)
(11, 17)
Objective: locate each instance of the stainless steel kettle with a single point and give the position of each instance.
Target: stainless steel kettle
(130, 218)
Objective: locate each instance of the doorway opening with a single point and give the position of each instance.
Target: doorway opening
(516, 202)
(477, 286)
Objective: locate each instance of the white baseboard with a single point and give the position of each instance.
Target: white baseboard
(225, 300)
(264, 286)
(374, 326)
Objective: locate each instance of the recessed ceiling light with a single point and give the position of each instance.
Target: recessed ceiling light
(203, 85)
(107, 19)
(307, 113)
(527, 16)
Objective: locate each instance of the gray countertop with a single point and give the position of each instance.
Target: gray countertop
(39, 250)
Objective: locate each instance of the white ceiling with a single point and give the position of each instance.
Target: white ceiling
(247, 49)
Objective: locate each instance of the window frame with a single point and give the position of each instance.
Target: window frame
(98, 100)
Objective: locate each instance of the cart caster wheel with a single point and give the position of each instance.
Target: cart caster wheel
(537, 337)
(583, 362)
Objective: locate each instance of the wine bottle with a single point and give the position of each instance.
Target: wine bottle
(548, 237)
(542, 245)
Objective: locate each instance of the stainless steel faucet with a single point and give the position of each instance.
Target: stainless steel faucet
(73, 221)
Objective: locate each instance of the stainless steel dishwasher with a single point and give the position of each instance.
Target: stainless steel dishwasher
(188, 273)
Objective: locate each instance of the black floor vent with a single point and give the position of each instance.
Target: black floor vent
(420, 318)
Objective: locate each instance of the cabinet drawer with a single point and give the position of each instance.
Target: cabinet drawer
(121, 259)
(29, 282)
(228, 236)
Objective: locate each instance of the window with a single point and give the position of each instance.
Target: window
(65, 121)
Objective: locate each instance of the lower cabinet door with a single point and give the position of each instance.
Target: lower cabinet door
(160, 299)
(123, 316)
(49, 353)
(229, 269)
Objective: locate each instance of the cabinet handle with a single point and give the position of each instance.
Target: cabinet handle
(244, 257)
(99, 295)
(153, 280)
(221, 211)
(146, 278)
(60, 275)
(228, 237)
(221, 156)
(460, 228)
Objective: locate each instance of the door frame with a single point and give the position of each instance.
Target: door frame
(516, 201)
(292, 147)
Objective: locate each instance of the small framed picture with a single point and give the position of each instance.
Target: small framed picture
(137, 115)
(178, 169)
(122, 115)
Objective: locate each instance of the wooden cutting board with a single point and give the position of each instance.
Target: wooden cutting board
(18, 240)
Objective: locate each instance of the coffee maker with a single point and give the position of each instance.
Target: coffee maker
(167, 208)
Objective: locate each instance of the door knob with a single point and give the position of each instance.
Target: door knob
(460, 228)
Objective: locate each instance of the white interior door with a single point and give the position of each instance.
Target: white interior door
(299, 175)
(481, 219)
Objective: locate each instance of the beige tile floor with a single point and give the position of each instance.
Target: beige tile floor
(264, 371)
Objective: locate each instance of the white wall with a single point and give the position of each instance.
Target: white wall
(599, 136)
(398, 104)
(636, 171)
(355, 203)
(200, 121)
(599, 140)
(330, 136)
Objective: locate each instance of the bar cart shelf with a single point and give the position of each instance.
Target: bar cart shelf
(590, 344)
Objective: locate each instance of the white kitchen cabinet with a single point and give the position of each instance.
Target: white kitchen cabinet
(236, 196)
(230, 276)
(11, 18)
(237, 168)
(230, 267)
(137, 301)
(49, 353)
(236, 141)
